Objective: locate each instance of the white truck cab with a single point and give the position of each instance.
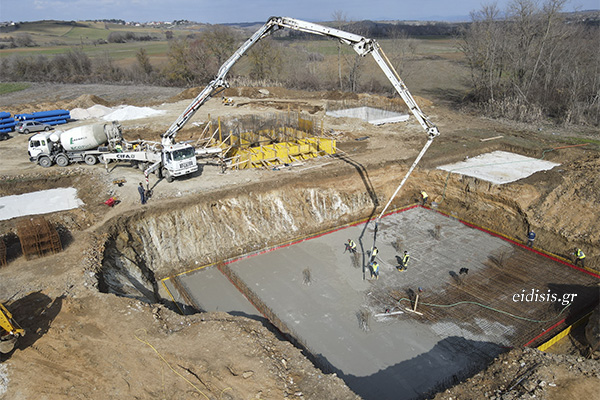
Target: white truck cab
(40, 143)
(179, 159)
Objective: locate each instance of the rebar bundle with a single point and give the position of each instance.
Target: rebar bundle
(38, 237)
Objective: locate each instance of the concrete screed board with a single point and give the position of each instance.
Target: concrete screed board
(396, 357)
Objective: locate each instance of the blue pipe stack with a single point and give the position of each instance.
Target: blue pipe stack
(7, 124)
(53, 117)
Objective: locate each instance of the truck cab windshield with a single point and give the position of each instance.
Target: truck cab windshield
(183, 154)
(37, 143)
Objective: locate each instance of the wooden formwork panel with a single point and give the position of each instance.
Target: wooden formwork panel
(38, 237)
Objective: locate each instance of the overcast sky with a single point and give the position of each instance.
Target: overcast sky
(223, 11)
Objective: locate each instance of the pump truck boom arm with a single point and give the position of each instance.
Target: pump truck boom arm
(360, 44)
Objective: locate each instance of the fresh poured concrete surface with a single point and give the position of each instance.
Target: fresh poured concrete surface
(499, 167)
(404, 355)
(211, 291)
(40, 202)
(372, 115)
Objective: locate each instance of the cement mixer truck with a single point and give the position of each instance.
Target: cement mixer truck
(104, 143)
(82, 144)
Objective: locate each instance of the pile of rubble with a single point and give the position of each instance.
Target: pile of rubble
(528, 373)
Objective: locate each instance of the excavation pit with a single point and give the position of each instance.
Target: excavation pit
(361, 328)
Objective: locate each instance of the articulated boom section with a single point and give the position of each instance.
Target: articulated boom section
(360, 44)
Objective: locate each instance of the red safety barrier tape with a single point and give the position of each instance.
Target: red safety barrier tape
(544, 332)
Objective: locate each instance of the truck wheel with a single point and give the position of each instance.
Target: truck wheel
(90, 159)
(167, 175)
(62, 160)
(45, 162)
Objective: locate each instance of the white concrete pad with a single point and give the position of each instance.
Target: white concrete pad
(499, 167)
(42, 202)
(372, 115)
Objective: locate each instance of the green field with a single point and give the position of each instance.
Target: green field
(12, 87)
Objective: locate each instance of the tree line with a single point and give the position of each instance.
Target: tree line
(529, 63)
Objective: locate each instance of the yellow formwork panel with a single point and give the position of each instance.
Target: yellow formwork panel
(279, 153)
(323, 144)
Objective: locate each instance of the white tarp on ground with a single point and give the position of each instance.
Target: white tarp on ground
(42, 202)
(372, 115)
(499, 167)
(121, 113)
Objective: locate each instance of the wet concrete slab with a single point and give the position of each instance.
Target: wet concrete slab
(209, 290)
(328, 301)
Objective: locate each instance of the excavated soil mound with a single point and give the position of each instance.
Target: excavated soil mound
(83, 101)
(186, 94)
(276, 92)
(87, 101)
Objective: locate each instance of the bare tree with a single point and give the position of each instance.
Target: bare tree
(483, 46)
(220, 41)
(265, 59)
(532, 64)
(339, 19)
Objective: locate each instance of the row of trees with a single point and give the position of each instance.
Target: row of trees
(529, 63)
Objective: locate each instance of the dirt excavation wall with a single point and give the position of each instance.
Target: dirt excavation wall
(144, 247)
(559, 205)
(178, 236)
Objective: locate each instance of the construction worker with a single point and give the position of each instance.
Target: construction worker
(405, 260)
(579, 257)
(424, 197)
(375, 270)
(374, 252)
(142, 193)
(351, 246)
(530, 238)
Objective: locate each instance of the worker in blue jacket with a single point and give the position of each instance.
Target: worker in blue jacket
(530, 238)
